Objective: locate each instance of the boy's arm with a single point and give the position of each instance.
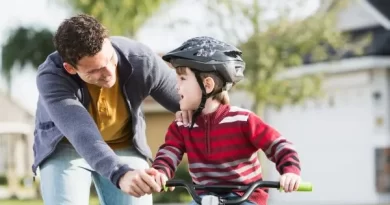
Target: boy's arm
(171, 152)
(277, 148)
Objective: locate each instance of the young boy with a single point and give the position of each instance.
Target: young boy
(222, 141)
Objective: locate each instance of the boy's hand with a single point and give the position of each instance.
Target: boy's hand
(161, 180)
(290, 182)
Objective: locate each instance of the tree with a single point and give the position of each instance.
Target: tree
(27, 45)
(276, 44)
(122, 17)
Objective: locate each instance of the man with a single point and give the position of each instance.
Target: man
(89, 123)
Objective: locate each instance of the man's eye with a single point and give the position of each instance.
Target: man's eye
(93, 71)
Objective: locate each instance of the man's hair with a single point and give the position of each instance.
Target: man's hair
(79, 36)
(223, 96)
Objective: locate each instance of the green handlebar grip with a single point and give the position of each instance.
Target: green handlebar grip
(305, 186)
(165, 188)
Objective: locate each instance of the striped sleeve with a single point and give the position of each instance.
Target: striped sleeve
(277, 148)
(171, 152)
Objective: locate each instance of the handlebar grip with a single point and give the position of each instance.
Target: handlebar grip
(303, 186)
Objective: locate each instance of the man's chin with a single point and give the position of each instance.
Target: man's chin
(108, 84)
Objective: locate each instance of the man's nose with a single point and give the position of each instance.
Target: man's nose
(106, 72)
(177, 86)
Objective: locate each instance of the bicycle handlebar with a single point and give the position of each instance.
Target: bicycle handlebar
(304, 186)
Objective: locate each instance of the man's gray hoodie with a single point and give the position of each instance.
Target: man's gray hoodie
(64, 99)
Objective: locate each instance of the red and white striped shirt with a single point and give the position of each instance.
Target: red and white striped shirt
(222, 149)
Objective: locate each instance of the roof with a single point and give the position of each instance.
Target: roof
(4, 96)
(338, 66)
(361, 13)
(360, 19)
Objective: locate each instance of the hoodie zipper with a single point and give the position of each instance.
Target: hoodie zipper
(207, 126)
(135, 144)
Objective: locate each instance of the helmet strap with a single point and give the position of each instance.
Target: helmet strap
(198, 111)
(205, 96)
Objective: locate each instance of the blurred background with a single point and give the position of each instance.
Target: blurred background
(317, 70)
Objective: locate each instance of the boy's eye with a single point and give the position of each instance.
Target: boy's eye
(182, 78)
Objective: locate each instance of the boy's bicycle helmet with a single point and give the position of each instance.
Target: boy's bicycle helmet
(206, 54)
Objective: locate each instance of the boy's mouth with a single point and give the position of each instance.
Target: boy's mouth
(181, 96)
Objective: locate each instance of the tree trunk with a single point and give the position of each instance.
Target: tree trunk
(8, 79)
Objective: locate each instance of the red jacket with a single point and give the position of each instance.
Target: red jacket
(222, 149)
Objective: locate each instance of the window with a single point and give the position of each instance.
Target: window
(382, 172)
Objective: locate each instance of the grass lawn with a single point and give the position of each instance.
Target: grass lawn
(93, 201)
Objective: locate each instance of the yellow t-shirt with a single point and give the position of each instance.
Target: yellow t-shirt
(109, 110)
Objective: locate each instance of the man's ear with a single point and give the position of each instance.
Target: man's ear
(209, 84)
(69, 68)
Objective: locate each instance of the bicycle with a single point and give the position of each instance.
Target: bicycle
(218, 200)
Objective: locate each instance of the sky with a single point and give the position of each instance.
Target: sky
(44, 13)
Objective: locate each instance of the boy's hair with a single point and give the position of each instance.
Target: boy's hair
(223, 96)
(79, 36)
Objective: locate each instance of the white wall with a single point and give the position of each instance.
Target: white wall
(336, 142)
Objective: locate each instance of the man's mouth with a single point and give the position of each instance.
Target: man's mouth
(105, 80)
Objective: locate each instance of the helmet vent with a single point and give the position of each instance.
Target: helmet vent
(232, 54)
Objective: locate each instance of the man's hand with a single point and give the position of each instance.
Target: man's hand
(184, 116)
(290, 182)
(139, 182)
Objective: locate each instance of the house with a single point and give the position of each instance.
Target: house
(16, 138)
(343, 139)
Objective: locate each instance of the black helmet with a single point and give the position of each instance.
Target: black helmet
(206, 54)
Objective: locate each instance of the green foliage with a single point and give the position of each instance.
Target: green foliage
(3, 180)
(24, 46)
(121, 17)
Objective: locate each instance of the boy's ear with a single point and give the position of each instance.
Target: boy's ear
(209, 84)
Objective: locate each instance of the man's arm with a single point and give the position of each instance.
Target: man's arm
(163, 79)
(74, 122)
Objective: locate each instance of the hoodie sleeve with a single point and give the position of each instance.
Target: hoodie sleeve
(171, 152)
(57, 95)
(277, 148)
